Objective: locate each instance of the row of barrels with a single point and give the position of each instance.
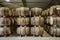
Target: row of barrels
(52, 11)
(53, 30)
(5, 31)
(36, 30)
(23, 30)
(22, 11)
(4, 21)
(31, 31)
(37, 20)
(5, 11)
(53, 20)
(22, 21)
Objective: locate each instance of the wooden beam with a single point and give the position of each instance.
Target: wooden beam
(24, 3)
(1, 5)
(50, 3)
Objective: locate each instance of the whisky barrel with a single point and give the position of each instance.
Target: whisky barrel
(53, 20)
(23, 30)
(36, 30)
(37, 20)
(22, 21)
(22, 11)
(54, 31)
(5, 11)
(36, 11)
(1, 31)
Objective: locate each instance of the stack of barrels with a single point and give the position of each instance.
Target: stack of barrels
(22, 21)
(29, 22)
(36, 22)
(5, 21)
(52, 20)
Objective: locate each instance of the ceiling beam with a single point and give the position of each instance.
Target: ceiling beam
(49, 4)
(24, 3)
(1, 5)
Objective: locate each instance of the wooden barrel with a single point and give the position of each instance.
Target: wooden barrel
(43, 13)
(26, 21)
(1, 31)
(41, 20)
(50, 20)
(53, 20)
(55, 10)
(6, 30)
(5, 21)
(37, 20)
(22, 21)
(36, 30)
(5, 11)
(8, 21)
(23, 30)
(2, 11)
(41, 32)
(58, 10)
(27, 30)
(54, 31)
(58, 21)
(22, 11)
(46, 12)
(36, 11)
(2, 21)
